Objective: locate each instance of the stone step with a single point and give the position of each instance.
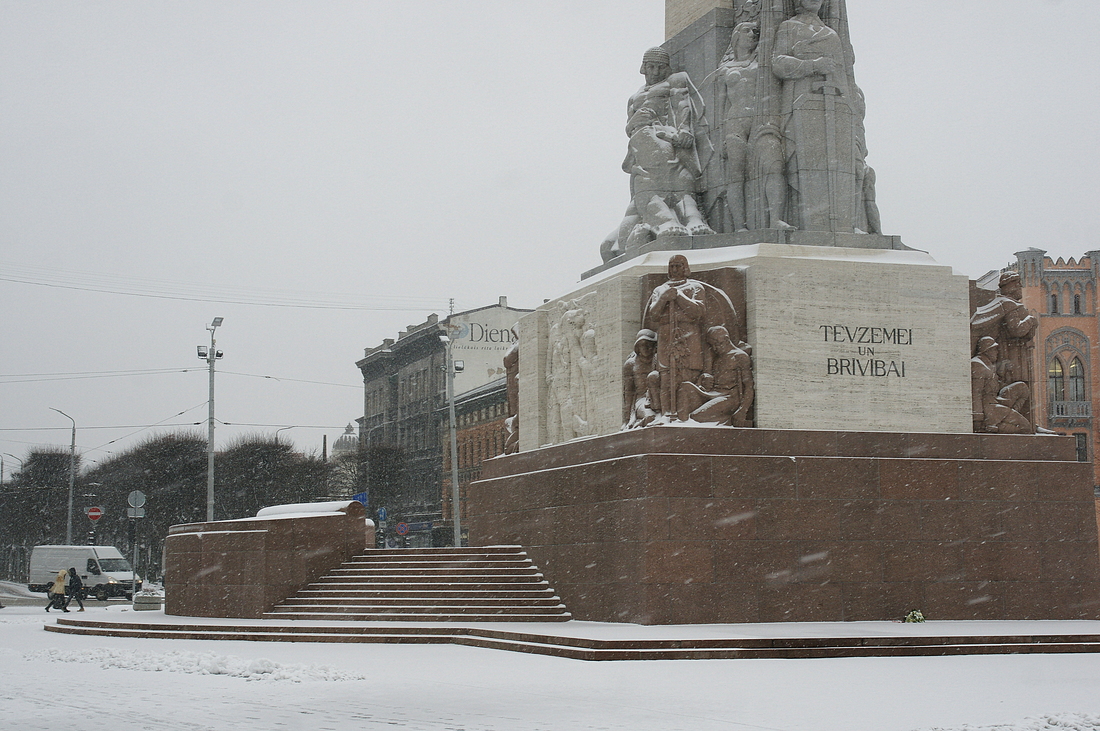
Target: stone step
(346, 570)
(441, 600)
(403, 590)
(442, 563)
(581, 648)
(442, 579)
(457, 614)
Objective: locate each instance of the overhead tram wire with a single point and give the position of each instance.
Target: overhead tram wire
(166, 289)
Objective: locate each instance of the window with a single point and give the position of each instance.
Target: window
(1076, 380)
(1082, 447)
(1054, 304)
(1077, 304)
(1057, 381)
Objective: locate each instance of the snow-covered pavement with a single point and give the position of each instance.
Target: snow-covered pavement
(50, 681)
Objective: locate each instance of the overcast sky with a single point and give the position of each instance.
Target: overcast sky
(164, 163)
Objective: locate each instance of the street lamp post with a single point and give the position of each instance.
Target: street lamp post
(446, 340)
(210, 356)
(8, 454)
(72, 479)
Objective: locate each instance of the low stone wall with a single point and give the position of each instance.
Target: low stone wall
(674, 525)
(242, 568)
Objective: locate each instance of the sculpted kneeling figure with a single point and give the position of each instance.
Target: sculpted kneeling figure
(724, 393)
(996, 407)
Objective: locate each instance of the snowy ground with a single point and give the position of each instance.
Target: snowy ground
(50, 681)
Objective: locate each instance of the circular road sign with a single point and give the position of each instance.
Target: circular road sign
(94, 513)
(136, 499)
(402, 528)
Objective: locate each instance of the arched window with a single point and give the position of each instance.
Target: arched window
(1076, 380)
(1054, 304)
(1057, 381)
(1077, 304)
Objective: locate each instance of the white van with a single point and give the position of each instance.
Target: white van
(104, 571)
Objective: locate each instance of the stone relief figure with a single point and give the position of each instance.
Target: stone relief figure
(681, 311)
(511, 374)
(724, 393)
(571, 370)
(820, 119)
(638, 409)
(752, 144)
(1009, 324)
(662, 158)
(996, 406)
(867, 213)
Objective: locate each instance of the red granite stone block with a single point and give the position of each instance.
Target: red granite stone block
(964, 600)
(678, 561)
(783, 442)
(712, 519)
(849, 561)
(754, 477)
(994, 480)
(900, 598)
(897, 520)
(1001, 561)
(1069, 561)
(800, 603)
(679, 475)
(798, 519)
(1062, 481)
(961, 520)
(870, 444)
(919, 479)
(941, 446)
(756, 561)
(225, 541)
(864, 602)
(837, 478)
(655, 519)
(929, 561)
(1063, 521)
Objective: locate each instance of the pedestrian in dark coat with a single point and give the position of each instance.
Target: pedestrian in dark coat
(74, 589)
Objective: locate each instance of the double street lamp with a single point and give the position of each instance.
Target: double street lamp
(210, 356)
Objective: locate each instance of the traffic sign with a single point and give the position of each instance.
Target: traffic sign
(382, 514)
(94, 513)
(136, 499)
(135, 512)
(402, 528)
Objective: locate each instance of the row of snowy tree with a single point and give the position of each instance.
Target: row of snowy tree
(171, 470)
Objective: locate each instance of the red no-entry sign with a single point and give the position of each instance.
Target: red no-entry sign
(94, 514)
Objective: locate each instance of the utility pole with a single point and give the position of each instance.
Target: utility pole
(449, 342)
(72, 480)
(210, 356)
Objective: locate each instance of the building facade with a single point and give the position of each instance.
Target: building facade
(1066, 375)
(403, 433)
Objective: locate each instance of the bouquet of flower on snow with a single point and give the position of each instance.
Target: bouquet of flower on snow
(914, 616)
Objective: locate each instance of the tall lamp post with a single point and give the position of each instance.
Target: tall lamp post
(72, 479)
(446, 340)
(210, 356)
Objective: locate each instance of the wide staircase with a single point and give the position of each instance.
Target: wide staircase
(488, 584)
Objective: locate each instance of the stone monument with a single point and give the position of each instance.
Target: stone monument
(759, 407)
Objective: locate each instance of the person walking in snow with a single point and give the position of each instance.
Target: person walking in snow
(74, 589)
(56, 593)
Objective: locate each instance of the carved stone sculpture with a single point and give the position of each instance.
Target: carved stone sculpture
(820, 119)
(571, 354)
(724, 393)
(752, 144)
(638, 409)
(681, 311)
(662, 158)
(1008, 323)
(996, 406)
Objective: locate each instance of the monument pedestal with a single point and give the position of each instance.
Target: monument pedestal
(680, 524)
